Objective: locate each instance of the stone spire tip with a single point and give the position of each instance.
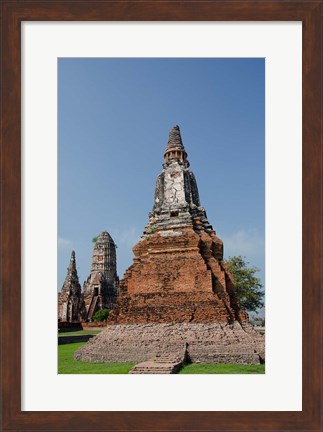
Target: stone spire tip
(174, 138)
(72, 265)
(104, 237)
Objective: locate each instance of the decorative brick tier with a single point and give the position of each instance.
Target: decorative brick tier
(176, 277)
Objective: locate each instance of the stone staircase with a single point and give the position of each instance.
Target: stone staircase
(92, 307)
(162, 363)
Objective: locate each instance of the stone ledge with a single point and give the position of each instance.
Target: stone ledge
(73, 339)
(206, 343)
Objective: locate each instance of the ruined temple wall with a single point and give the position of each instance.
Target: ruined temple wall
(169, 308)
(169, 263)
(206, 343)
(168, 272)
(69, 308)
(175, 279)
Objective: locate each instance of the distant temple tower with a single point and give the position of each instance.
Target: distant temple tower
(101, 288)
(70, 298)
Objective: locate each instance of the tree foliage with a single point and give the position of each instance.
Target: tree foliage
(94, 239)
(248, 287)
(101, 315)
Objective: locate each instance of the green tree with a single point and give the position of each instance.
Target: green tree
(101, 315)
(248, 287)
(94, 239)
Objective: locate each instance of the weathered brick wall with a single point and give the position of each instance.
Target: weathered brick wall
(169, 308)
(73, 339)
(169, 264)
(177, 279)
(94, 324)
(65, 326)
(206, 343)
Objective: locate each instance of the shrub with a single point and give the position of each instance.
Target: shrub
(101, 315)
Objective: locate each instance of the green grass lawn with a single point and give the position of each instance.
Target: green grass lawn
(80, 333)
(67, 365)
(197, 368)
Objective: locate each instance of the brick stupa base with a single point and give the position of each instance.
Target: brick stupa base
(205, 343)
(176, 277)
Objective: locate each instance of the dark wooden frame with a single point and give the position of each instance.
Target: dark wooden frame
(13, 13)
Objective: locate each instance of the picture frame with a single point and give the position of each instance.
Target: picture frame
(13, 14)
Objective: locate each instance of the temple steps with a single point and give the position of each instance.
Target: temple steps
(92, 307)
(166, 362)
(156, 367)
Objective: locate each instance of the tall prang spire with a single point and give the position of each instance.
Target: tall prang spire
(104, 259)
(176, 201)
(100, 288)
(175, 150)
(70, 299)
(72, 266)
(71, 284)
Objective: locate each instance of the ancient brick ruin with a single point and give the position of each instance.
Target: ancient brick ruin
(203, 343)
(100, 290)
(70, 299)
(178, 291)
(178, 273)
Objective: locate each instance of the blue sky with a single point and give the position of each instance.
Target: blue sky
(114, 116)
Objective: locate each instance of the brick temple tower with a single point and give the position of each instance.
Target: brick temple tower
(70, 298)
(178, 273)
(101, 288)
